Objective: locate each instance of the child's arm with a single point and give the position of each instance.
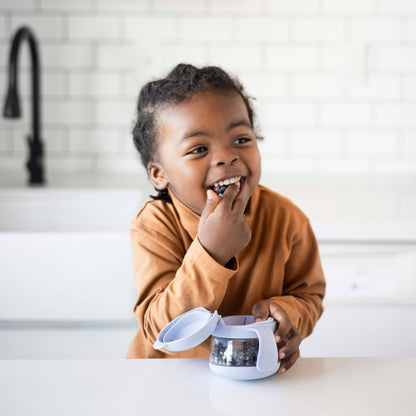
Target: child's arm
(300, 306)
(171, 281)
(173, 273)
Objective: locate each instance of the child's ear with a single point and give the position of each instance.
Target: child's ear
(157, 176)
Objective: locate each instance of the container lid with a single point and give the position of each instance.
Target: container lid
(187, 330)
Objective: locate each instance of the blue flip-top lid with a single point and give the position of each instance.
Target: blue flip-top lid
(187, 330)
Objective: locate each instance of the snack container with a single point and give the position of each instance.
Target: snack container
(240, 348)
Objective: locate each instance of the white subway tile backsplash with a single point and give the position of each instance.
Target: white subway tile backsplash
(293, 57)
(410, 29)
(51, 82)
(94, 141)
(318, 86)
(397, 6)
(66, 56)
(333, 165)
(235, 6)
(399, 115)
(261, 29)
(180, 6)
(348, 7)
(375, 29)
(236, 58)
(318, 143)
(393, 58)
(45, 27)
(83, 164)
(265, 86)
(206, 29)
(374, 87)
(292, 7)
(358, 205)
(97, 28)
(409, 143)
(187, 53)
(133, 81)
(345, 115)
(123, 57)
(4, 140)
(318, 29)
(150, 28)
(394, 167)
(4, 54)
(73, 5)
(3, 33)
(290, 114)
(288, 165)
(55, 140)
(70, 112)
(129, 164)
(94, 84)
(17, 5)
(122, 5)
(275, 143)
(407, 204)
(334, 80)
(115, 112)
(368, 143)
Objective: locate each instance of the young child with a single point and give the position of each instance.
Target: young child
(213, 237)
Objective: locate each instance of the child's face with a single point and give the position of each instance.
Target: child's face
(201, 142)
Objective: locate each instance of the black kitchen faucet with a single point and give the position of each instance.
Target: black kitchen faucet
(12, 104)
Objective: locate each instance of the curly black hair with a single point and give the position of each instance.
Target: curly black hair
(181, 83)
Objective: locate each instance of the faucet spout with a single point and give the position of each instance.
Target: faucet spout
(12, 103)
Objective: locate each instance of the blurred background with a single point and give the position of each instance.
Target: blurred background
(335, 89)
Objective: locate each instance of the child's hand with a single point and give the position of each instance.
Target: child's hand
(287, 336)
(223, 228)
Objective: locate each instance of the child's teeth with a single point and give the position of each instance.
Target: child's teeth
(227, 182)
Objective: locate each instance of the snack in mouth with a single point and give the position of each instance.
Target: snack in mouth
(220, 186)
(222, 189)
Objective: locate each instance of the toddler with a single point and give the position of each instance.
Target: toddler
(212, 236)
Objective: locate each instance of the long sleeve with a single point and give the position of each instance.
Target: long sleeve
(171, 279)
(304, 283)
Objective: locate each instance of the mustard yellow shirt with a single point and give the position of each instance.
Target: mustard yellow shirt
(174, 273)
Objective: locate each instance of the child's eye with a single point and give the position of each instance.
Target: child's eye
(242, 140)
(200, 149)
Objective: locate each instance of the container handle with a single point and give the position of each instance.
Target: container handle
(267, 358)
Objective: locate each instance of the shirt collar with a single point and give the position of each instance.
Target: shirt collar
(190, 220)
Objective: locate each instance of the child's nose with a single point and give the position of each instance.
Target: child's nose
(225, 157)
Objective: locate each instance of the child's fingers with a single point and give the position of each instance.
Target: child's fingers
(260, 310)
(212, 202)
(287, 348)
(229, 195)
(288, 362)
(283, 320)
(239, 206)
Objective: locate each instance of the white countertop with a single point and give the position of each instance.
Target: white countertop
(314, 386)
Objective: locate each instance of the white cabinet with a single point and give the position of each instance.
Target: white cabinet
(66, 276)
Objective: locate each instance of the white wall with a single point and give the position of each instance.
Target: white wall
(335, 83)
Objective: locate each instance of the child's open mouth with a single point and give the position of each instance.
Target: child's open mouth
(220, 187)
